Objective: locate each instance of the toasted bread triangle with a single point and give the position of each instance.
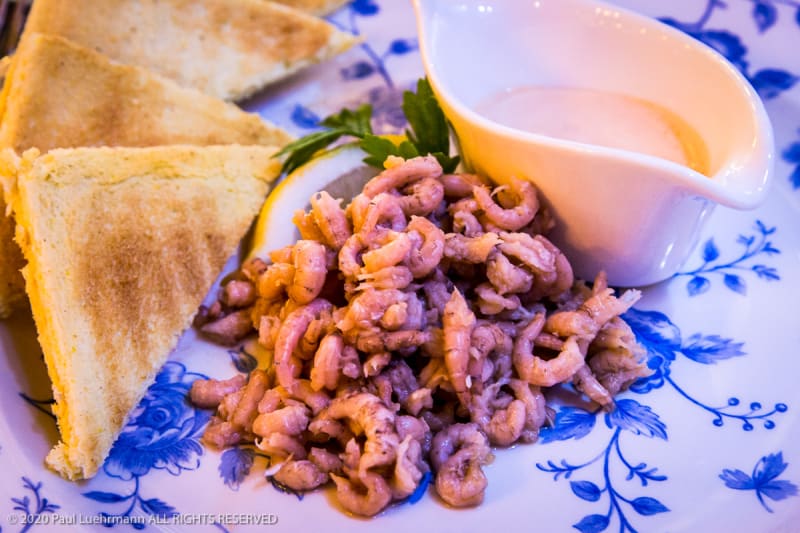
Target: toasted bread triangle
(61, 95)
(122, 245)
(225, 48)
(315, 7)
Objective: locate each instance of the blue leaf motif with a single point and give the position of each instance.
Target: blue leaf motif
(797, 16)
(402, 46)
(727, 44)
(365, 7)
(156, 507)
(710, 251)
(636, 418)
(105, 497)
(791, 154)
(735, 283)
(710, 349)
(585, 490)
(772, 82)
(736, 479)
(648, 506)
(593, 523)
(769, 467)
(697, 285)
(778, 490)
(303, 117)
(235, 463)
(763, 229)
(570, 423)
(766, 273)
(765, 15)
(794, 178)
(357, 71)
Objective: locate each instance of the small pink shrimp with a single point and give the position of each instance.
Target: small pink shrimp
(279, 445)
(592, 314)
(301, 475)
(532, 253)
(492, 303)
(327, 363)
(287, 366)
(282, 255)
(331, 219)
(422, 197)
(545, 373)
(394, 277)
(460, 185)
(403, 174)
(238, 293)
(350, 256)
(367, 497)
(535, 408)
(507, 277)
(424, 257)
(307, 226)
(383, 211)
(470, 249)
(395, 251)
(309, 271)
(290, 420)
(586, 382)
(208, 393)
(274, 280)
(376, 421)
(247, 408)
(467, 224)
(516, 217)
(408, 470)
(458, 453)
(458, 324)
(395, 316)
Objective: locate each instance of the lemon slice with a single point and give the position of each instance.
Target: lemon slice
(340, 171)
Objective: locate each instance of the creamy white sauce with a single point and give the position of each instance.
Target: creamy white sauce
(599, 118)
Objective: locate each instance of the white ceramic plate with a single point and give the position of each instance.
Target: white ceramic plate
(709, 443)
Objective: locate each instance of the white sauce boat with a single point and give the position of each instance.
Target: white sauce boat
(637, 217)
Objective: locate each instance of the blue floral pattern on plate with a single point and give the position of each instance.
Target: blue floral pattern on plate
(620, 468)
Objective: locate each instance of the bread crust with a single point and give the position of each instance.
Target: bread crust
(59, 94)
(225, 48)
(122, 245)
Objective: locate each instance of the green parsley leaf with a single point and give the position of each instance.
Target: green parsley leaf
(429, 132)
(304, 148)
(355, 123)
(378, 149)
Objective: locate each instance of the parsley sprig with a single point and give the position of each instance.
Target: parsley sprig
(428, 133)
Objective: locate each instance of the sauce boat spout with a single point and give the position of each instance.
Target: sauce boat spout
(634, 213)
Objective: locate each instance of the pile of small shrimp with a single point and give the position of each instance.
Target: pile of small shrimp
(412, 331)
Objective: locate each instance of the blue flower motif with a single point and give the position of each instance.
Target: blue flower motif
(764, 480)
(163, 430)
